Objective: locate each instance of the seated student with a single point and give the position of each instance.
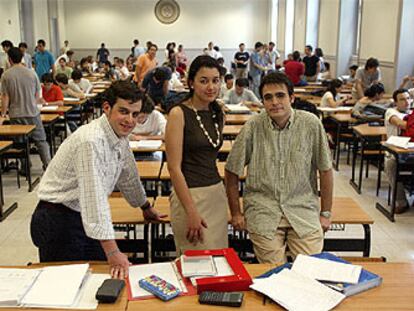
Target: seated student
(227, 86)
(109, 71)
(365, 77)
(295, 70)
(352, 72)
(80, 84)
(122, 70)
(331, 96)
(51, 93)
(373, 95)
(175, 83)
(394, 124)
(63, 82)
(240, 94)
(68, 58)
(150, 123)
(156, 84)
(84, 66)
(63, 68)
(326, 74)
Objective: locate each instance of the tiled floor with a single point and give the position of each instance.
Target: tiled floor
(395, 241)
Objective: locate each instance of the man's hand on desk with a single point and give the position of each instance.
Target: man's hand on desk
(119, 264)
(151, 214)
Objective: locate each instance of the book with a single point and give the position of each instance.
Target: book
(400, 142)
(367, 280)
(193, 266)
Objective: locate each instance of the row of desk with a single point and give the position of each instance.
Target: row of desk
(392, 294)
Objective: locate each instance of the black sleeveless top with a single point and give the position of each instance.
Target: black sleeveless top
(199, 156)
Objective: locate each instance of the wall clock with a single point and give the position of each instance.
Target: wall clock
(167, 11)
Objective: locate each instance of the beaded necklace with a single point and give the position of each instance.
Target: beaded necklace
(214, 144)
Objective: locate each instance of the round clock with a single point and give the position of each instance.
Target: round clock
(167, 11)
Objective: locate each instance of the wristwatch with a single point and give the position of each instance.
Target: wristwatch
(146, 206)
(326, 214)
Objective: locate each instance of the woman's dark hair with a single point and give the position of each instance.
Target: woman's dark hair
(374, 90)
(122, 89)
(319, 52)
(203, 61)
(333, 85)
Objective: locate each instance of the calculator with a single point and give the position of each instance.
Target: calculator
(229, 299)
(159, 287)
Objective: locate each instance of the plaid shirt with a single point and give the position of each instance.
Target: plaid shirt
(84, 172)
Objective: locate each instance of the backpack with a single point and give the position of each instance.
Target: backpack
(305, 105)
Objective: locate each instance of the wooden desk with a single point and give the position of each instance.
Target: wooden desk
(393, 294)
(365, 134)
(342, 122)
(398, 153)
(4, 146)
(96, 267)
(149, 170)
(49, 121)
(345, 211)
(74, 102)
(23, 131)
(237, 119)
(231, 130)
(61, 110)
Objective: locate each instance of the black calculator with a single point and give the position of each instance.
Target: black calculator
(229, 299)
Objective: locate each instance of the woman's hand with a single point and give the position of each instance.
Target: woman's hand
(195, 226)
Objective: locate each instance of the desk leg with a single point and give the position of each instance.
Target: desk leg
(367, 240)
(390, 213)
(28, 171)
(65, 118)
(352, 182)
(338, 146)
(9, 210)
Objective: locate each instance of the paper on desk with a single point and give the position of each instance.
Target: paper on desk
(238, 107)
(400, 142)
(146, 144)
(14, 284)
(57, 286)
(49, 108)
(326, 270)
(165, 270)
(71, 99)
(297, 292)
(222, 266)
(330, 109)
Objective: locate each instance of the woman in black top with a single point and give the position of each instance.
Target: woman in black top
(193, 138)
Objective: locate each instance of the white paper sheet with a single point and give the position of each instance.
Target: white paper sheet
(14, 284)
(400, 142)
(163, 270)
(329, 109)
(49, 108)
(57, 286)
(197, 266)
(326, 270)
(297, 292)
(71, 99)
(238, 107)
(146, 144)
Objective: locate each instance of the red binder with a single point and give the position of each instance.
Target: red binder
(240, 281)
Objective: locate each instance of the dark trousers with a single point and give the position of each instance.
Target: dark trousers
(59, 234)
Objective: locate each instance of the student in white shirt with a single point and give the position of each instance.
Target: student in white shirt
(227, 86)
(150, 123)
(79, 84)
(122, 70)
(72, 220)
(241, 94)
(331, 97)
(394, 123)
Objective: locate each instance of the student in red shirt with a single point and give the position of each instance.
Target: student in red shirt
(294, 69)
(52, 94)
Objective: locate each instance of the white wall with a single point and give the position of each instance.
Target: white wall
(379, 29)
(300, 25)
(117, 23)
(281, 27)
(10, 21)
(328, 26)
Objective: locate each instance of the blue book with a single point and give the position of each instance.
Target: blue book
(366, 280)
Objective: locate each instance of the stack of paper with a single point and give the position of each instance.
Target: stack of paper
(145, 144)
(400, 142)
(49, 108)
(294, 291)
(329, 109)
(14, 284)
(198, 266)
(71, 99)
